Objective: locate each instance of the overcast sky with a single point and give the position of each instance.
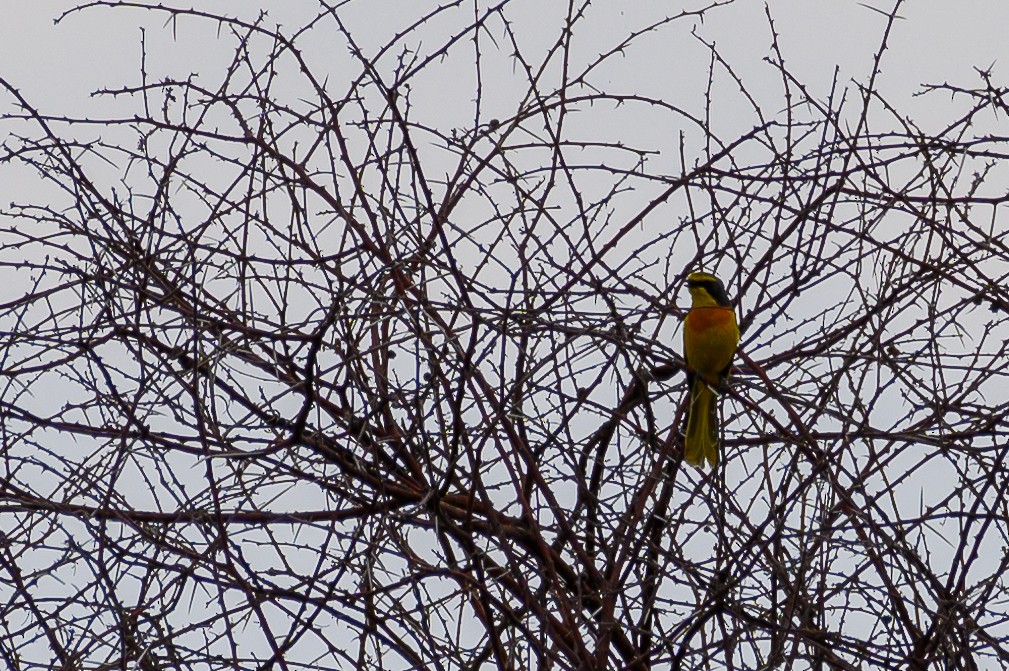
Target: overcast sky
(57, 65)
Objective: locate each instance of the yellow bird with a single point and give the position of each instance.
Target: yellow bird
(710, 336)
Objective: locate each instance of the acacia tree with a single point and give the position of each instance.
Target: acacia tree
(367, 357)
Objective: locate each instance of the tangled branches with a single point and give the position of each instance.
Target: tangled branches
(360, 350)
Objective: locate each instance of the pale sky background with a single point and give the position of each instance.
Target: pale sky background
(57, 67)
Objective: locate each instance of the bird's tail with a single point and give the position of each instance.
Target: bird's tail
(702, 426)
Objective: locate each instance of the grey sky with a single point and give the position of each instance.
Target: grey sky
(58, 67)
(938, 41)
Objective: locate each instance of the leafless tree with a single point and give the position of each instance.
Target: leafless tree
(317, 359)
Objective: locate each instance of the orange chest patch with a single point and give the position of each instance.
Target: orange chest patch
(710, 337)
(700, 320)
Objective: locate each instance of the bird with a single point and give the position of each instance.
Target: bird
(710, 338)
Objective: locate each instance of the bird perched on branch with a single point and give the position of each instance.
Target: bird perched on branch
(710, 336)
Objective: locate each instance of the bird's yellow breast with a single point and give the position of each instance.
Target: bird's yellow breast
(710, 336)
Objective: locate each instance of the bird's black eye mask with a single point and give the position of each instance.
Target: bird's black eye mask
(714, 289)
